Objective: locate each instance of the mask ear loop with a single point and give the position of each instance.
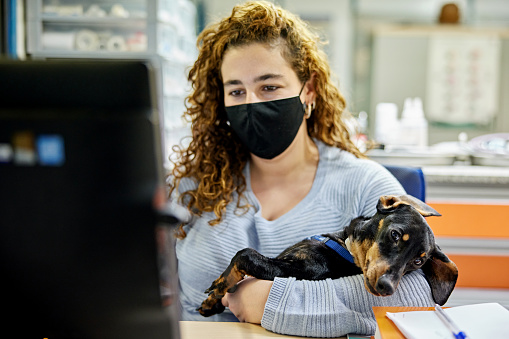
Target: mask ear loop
(304, 85)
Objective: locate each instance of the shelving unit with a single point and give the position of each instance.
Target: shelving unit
(162, 31)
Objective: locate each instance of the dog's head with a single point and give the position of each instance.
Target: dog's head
(397, 240)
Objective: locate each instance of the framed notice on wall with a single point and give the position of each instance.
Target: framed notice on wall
(463, 78)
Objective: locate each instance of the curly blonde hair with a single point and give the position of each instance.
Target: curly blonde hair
(215, 157)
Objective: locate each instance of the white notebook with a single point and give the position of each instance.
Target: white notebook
(478, 321)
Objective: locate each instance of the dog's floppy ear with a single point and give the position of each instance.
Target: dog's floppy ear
(387, 203)
(441, 274)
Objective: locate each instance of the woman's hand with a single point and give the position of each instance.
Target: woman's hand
(248, 301)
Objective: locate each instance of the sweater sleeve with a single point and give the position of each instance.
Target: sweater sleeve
(332, 308)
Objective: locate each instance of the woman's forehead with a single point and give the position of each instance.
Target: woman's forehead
(252, 61)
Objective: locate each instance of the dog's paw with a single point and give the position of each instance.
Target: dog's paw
(211, 306)
(218, 287)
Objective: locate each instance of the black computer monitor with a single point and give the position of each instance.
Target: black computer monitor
(80, 164)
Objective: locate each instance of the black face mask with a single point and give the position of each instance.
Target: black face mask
(267, 128)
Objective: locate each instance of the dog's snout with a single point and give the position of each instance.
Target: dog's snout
(384, 286)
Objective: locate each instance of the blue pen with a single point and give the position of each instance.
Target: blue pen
(458, 334)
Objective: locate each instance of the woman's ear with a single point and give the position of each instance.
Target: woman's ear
(309, 90)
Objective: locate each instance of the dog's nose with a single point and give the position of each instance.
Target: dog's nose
(384, 286)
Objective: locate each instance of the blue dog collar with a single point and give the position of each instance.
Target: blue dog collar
(335, 246)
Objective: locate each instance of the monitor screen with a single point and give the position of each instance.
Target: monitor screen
(83, 254)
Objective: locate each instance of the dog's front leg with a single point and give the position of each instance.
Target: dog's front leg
(226, 282)
(245, 262)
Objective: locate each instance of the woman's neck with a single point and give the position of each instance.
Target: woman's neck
(300, 157)
(281, 183)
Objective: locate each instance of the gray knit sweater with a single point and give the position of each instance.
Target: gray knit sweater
(344, 187)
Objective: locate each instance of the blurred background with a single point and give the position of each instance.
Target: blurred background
(390, 50)
(415, 73)
(426, 80)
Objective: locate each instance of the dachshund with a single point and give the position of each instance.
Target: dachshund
(384, 247)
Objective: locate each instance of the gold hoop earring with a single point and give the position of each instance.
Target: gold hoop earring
(309, 109)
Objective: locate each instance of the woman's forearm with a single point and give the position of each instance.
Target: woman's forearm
(331, 308)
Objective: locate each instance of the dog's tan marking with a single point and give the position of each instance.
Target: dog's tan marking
(381, 224)
(423, 254)
(358, 251)
(348, 243)
(406, 237)
(373, 256)
(221, 286)
(376, 266)
(235, 276)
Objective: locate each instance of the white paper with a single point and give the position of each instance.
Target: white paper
(479, 321)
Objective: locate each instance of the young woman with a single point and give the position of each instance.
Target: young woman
(270, 163)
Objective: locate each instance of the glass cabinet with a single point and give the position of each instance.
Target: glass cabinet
(163, 31)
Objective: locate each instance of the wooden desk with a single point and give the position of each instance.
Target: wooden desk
(230, 330)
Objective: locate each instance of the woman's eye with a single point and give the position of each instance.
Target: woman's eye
(269, 88)
(236, 93)
(418, 262)
(395, 235)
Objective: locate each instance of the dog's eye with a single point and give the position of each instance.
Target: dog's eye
(395, 235)
(418, 262)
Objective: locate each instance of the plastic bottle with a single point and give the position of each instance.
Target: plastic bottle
(414, 126)
(362, 120)
(387, 124)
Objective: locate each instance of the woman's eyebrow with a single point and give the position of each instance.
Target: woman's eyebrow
(257, 79)
(268, 76)
(232, 83)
